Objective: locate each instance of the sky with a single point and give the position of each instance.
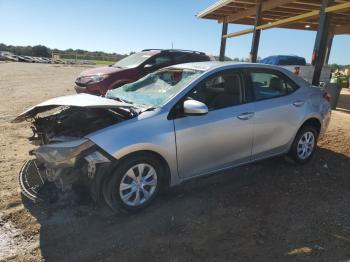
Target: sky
(123, 26)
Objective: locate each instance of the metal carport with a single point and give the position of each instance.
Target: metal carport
(327, 17)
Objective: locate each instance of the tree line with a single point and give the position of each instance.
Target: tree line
(43, 51)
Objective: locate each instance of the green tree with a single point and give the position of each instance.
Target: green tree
(40, 50)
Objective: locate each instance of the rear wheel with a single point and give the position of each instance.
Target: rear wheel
(134, 184)
(304, 144)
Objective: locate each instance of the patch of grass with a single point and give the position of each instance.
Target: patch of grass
(102, 62)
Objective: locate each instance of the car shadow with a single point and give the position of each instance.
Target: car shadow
(263, 210)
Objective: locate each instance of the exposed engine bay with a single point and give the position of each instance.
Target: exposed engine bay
(73, 123)
(64, 157)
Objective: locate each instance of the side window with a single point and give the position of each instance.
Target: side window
(269, 85)
(222, 90)
(181, 58)
(162, 60)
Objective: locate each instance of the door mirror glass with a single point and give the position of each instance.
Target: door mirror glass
(194, 107)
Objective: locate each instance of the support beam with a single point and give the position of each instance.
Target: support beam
(342, 30)
(268, 5)
(329, 47)
(223, 42)
(257, 32)
(292, 19)
(320, 48)
(276, 23)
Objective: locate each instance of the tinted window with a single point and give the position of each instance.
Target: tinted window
(220, 91)
(268, 85)
(133, 60)
(181, 58)
(162, 60)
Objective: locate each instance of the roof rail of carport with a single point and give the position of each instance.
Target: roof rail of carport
(290, 14)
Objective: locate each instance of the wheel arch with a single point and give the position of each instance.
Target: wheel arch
(314, 122)
(100, 180)
(167, 179)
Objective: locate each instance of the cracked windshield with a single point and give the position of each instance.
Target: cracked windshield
(155, 89)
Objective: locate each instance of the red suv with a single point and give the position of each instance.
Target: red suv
(98, 81)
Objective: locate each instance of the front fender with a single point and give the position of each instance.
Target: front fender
(151, 131)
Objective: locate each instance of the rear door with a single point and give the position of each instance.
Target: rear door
(278, 111)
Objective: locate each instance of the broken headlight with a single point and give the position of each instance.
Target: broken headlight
(62, 154)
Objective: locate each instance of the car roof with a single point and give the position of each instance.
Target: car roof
(174, 51)
(213, 65)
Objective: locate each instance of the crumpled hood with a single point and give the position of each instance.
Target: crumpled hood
(79, 100)
(104, 70)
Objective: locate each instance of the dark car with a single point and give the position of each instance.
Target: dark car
(98, 81)
(282, 60)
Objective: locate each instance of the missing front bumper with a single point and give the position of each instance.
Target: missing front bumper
(40, 183)
(32, 180)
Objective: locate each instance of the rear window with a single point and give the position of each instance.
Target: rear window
(181, 58)
(268, 84)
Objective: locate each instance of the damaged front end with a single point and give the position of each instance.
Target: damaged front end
(64, 157)
(65, 165)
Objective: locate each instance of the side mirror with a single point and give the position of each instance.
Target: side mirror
(149, 66)
(194, 107)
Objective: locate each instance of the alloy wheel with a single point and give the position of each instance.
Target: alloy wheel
(306, 145)
(138, 184)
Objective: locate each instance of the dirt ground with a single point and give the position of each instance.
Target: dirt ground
(269, 211)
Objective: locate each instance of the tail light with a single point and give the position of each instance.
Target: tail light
(313, 59)
(327, 96)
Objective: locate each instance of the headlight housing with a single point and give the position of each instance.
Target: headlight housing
(62, 154)
(92, 79)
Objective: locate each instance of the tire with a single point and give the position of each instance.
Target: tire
(125, 190)
(304, 145)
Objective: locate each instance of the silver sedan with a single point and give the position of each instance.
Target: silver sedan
(175, 124)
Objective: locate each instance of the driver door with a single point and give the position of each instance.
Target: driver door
(223, 137)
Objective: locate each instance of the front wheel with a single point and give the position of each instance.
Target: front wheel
(304, 144)
(134, 184)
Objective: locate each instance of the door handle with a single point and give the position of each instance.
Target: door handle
(245, 116)
(298, 103)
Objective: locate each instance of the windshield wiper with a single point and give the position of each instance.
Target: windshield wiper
(151, 108)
